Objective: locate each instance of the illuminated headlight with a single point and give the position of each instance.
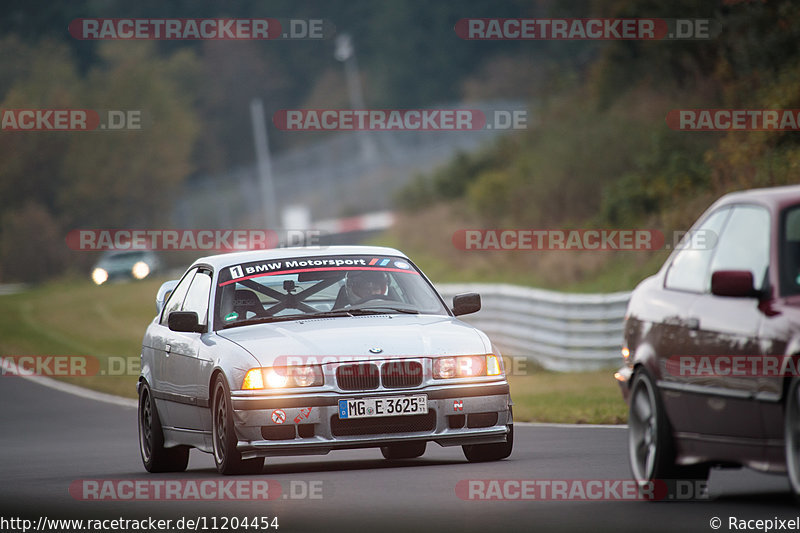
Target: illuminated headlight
(280, 377)
(140, 270)
(467, 366)
(99, 276)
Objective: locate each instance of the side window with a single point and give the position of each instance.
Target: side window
(790, 252)
(744, 244)
(175, 300)
(197, 296)
(689, 268)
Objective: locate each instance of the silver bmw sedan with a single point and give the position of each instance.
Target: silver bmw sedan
(299, 351)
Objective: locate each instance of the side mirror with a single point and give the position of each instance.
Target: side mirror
(185, 321)
(734, 283)
(163, 293)
(464, 304)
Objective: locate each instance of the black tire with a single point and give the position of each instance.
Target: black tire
(792, 435)
(480, 453)
(155, 457)
(409, 450)
(651, 448)
(223, 435)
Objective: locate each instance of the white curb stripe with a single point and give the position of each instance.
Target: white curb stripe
(81, 391)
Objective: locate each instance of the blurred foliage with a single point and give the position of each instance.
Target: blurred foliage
(390, 39)
(599, 151)
(31, 244)
(51, 182)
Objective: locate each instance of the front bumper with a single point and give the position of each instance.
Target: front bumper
(308, 424)
(624, 376)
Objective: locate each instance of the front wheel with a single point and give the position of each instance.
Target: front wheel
(650, 443)
(792, 435)
(226, 457)
(155, 456)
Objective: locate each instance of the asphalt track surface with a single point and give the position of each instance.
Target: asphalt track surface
(50, 439)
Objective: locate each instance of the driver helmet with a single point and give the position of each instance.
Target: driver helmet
(366, 284)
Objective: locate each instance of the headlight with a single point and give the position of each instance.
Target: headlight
(140, 270)
(280, 377)
(99, 276)
(466, 366)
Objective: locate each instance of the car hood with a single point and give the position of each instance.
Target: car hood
(394, 335)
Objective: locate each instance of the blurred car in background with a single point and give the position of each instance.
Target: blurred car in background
(126, 264)
(712, 344)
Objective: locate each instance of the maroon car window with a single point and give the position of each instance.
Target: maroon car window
(689, 268)
(744, 243)
(790, 252)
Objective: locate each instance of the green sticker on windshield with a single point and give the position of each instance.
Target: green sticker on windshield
(231, 316)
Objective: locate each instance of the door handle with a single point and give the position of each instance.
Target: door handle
(168, 348)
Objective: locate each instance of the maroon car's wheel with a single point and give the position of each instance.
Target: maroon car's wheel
(155, 457)
(650, 442)
(647, 443)
(227, 458)
(792, 435)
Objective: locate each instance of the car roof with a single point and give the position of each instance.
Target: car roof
(776, 197)
(232, 258)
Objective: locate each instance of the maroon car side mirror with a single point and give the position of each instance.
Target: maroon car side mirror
(734, 283)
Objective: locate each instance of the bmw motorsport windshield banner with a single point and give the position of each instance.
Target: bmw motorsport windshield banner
(255, 269)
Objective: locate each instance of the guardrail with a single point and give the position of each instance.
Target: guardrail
(559, 331)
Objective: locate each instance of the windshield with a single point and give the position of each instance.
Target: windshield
(309, 287)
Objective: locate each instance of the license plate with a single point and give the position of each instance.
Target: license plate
(389, 406)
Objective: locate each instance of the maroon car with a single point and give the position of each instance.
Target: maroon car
(712, 343)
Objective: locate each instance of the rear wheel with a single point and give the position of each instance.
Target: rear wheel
(792, 435)
(651, 450)
(409, 450)
(227, 458)
(155, 457)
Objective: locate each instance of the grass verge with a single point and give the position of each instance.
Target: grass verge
(568, 398)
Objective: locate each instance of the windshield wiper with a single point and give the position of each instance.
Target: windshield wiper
(353, 311)
(284, 318)
(328, 314)
(377, 310)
